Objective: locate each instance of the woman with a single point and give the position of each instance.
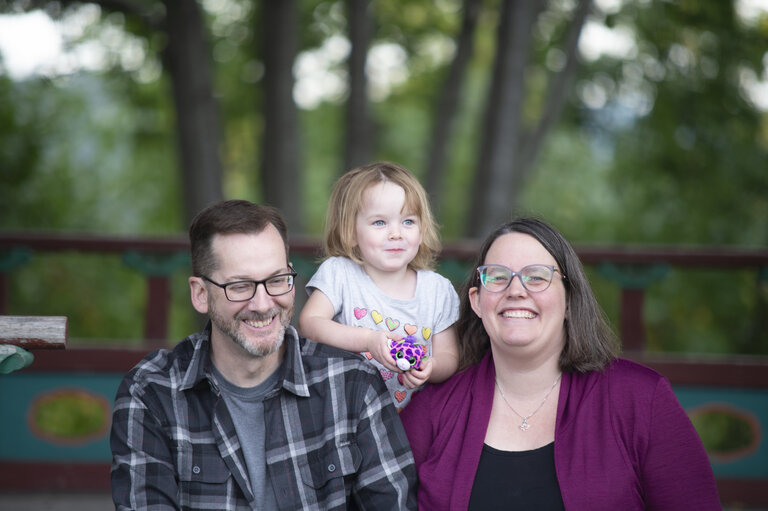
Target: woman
(543, 415)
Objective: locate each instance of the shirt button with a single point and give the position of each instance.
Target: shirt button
(331, 468)
(195, 469)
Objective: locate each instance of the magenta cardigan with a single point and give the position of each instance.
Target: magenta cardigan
(622, 441)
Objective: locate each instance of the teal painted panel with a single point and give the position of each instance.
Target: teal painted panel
(752, 402)
(19, 391)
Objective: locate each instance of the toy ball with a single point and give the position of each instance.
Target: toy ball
(408, 353)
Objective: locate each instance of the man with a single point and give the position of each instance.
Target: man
(247, 415)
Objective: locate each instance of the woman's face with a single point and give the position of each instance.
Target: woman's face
(517, 319)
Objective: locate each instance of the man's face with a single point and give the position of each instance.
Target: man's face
(257, 325)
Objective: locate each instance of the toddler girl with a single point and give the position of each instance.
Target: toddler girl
(380, 244)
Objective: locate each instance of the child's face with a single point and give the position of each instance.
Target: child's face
(388, 237)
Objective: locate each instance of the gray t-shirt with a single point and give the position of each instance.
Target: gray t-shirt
(246, 406)
(359, 302)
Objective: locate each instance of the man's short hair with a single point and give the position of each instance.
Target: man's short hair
(229, 217)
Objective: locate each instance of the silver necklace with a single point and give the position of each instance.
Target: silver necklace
(524, 426)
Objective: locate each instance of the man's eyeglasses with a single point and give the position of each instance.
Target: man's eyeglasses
(244, 290)
(534, 277)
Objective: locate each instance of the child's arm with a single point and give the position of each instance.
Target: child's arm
(445, 355)
(316, 323)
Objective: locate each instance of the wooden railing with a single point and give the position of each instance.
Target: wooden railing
(632, 267)
(734, 384)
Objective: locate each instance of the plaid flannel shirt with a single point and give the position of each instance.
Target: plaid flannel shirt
(333, 438)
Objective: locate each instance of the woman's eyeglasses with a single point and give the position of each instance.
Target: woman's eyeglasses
(534, 277)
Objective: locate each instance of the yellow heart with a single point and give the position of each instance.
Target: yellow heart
(377, 317)
(410, 329)
(426, 332)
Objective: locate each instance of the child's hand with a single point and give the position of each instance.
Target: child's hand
(378, 347)
(418, 377)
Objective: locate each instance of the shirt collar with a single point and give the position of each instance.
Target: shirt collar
(199, 363)
(293, 376)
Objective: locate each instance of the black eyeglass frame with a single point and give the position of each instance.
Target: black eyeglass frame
(256, 283)
(552, 268)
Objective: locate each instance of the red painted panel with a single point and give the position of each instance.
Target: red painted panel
(54, 476)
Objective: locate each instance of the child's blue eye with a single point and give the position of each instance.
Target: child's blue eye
(378, 223)
(409, 221)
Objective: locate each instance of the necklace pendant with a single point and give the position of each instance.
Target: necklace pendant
(524, 426)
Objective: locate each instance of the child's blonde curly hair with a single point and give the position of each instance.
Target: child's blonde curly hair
(346, 200)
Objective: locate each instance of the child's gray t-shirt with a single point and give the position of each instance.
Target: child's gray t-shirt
(359, 302)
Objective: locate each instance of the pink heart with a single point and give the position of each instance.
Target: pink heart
(386, 374)
(359, 313)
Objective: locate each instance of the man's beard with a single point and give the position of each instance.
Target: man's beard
(232, 328)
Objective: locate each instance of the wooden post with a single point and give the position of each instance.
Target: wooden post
(157, 267)
(158, 309)
(632, 323)
(634, 279)
(34, 332)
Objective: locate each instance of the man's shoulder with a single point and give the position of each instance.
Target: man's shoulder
(315, 354)
(166, 363)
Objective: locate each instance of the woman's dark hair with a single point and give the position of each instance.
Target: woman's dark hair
(229, 217)
(590, 344)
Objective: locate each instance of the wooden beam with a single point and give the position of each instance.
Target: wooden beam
(34, 332)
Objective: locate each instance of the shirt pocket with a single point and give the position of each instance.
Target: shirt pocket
(203, 472)
(329, 465)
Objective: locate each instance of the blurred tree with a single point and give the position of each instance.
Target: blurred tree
(185, 57)
(187, 60)
(281, 145)
(693, 137)
(448, 102)
(358, 130)
(509, 148)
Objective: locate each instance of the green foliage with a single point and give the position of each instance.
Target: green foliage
(700, 150)
(102, 298)
(71, 415)
(90, 159)
(723, 433)
(322, 138)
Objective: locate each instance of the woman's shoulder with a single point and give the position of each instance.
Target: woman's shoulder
(627, 388)
(621, 378)
(624, 383)
(629, 372)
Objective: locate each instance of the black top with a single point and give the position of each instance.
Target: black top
(516, 480)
